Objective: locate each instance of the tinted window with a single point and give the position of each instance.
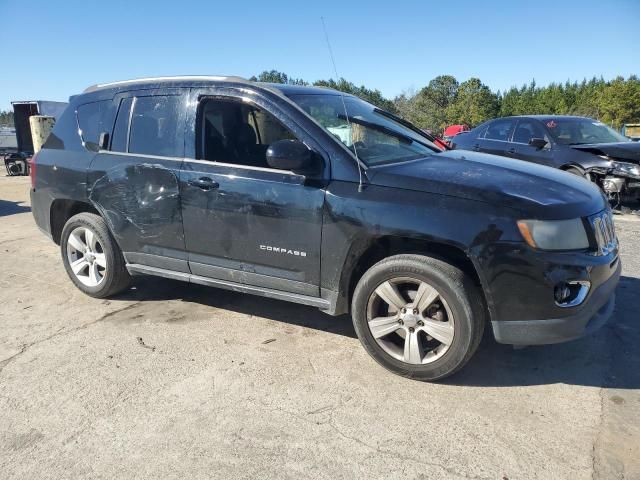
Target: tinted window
(526, 130)
(234, 132)
(154, 126)
(373, 134)
(93, 119)
(121, 128)
(499, 130)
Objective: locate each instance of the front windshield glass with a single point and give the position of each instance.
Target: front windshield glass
(376, 136)
(578, 131)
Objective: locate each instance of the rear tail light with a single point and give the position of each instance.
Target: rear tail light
(32, 170)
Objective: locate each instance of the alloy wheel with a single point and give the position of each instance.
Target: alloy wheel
(410, 320)
(86, 257)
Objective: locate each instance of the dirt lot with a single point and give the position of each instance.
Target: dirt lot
(180, 381)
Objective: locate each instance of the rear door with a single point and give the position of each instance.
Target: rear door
(526, 129)
(134, 184)
(496, 137)
(244, 221)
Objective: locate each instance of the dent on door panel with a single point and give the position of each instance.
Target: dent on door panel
(141, 204)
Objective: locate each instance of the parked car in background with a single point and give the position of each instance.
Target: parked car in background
(453, 130)
(579, 145)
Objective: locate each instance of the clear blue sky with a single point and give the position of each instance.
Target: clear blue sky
(52, 49)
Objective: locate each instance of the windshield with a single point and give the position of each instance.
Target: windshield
(375, 135)
(577, 131)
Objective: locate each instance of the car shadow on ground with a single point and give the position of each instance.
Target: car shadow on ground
(10, 208)
(158, 289)
(607, 358)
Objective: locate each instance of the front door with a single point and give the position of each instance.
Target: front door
(245, 222)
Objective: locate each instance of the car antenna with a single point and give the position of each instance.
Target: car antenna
(344, 105)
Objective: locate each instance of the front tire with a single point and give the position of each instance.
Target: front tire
(418, 316)
(91, 256)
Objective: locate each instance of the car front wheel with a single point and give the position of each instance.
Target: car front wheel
(418, 316)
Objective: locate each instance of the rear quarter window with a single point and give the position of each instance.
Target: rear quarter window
(64, 135)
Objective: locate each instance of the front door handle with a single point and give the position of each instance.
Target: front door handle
(203, 183)
(512, 150)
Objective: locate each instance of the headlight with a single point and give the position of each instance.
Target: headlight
(626, 168)
(554, 234)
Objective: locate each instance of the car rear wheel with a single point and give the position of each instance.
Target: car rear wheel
(418, 316)
(91, 256)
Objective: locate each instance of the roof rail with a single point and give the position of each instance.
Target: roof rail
(218, 78)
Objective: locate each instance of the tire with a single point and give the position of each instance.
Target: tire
(100, 271)
(458, 306)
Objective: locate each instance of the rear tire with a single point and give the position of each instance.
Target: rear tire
(91, 256)
(418, 316)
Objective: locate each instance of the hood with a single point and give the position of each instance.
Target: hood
(535, 190)
(625, 151)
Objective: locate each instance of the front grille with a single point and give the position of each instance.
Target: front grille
(604, 232)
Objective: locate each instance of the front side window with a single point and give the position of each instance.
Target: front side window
(235, 132)
(154, 126)
(526, 130)
(373, 134)
(577, 131)
(499, 130)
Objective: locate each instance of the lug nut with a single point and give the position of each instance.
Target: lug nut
(421, 323)
(400, 322)
(415, 311)
(411, 329)
(404, 310)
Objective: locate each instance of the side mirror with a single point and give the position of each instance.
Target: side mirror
(292, 155)
(538, 143)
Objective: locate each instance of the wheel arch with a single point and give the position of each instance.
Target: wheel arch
(366, 253)
(62, 210)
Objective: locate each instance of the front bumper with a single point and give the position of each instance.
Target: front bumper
(589, 316)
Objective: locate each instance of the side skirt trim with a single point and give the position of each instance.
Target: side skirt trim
(320, 303)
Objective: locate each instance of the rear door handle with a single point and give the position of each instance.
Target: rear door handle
(203, 183)
(512, 150)
(476, 147)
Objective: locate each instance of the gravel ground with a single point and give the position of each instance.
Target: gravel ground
(180, 381)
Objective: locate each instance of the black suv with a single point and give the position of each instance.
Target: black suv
(579, 145)
(311, 196)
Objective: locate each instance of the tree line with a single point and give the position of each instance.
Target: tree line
(446, 101)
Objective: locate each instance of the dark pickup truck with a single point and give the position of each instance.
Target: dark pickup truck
(311, 196)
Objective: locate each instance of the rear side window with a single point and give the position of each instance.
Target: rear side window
(499, 130)
(93, 119)
(154, 126)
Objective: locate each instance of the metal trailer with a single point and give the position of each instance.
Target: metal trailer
(16, 162)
